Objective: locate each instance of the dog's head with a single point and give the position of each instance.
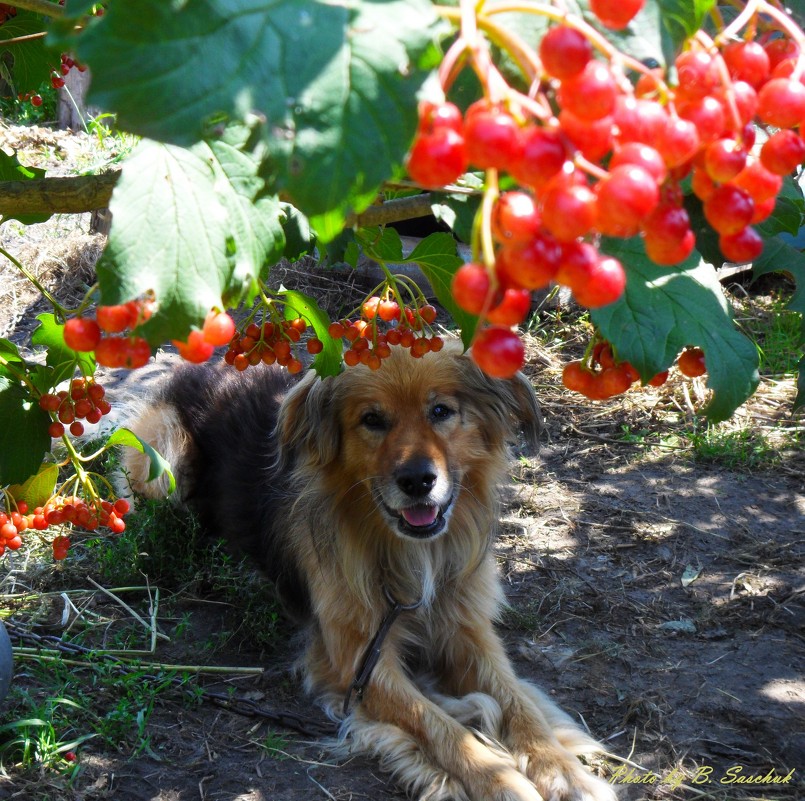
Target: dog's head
(411, 441)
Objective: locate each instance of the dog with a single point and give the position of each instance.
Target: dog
(370, 499)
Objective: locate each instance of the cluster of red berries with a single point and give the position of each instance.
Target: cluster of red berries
(606, 377)
(593, 155)
(104, 335)
(60, 510)
(84, 401)
(405, 326)
(272, 342)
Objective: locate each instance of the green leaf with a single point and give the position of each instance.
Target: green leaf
(24, 438)
(681, 19)
(297, 304)
(10, 353)
(380, 243)
(663, 310)
(158, 465)
(437, 257)
(38, 488)
(12, 170)
(32, 60)
(169, 237)
(300, 239)
(61, 359)
(254, 218)
(335, 82)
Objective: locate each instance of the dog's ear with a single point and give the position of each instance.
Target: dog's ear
(307, 426)
(509, 407)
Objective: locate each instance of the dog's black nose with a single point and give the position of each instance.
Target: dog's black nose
(416, 477)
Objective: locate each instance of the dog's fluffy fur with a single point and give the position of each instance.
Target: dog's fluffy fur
(351, 489)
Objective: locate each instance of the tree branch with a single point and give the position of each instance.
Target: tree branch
(403, 208)
(69, 195)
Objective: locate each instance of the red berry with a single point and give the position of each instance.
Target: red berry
(532, 265)
(121, 506)
(625, 197)
(607, 283)
(515, 218)
(492, 137)
(781, 103)
(729, 209)
(314, 346)
(196, 349)
(512, 309)
(708, 115)
(747, 61)
(76, 429)
(591, 94)
(540, 158)
(724, 159)
(498, 351)
(439, 115)
(742, 247)
(437, 159)
(697, 74)
(679, 141)
(691, 362)
(783, 152)
(470, 287)
(616, 14)
(81, 334)
(569, 211)
(114, 319)
(56, 430)
(640, 155)
(218, 328)
(36, 100)
(388, 310)
(564, 52)
(639, 119)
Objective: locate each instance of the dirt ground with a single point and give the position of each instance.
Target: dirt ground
(658, 598)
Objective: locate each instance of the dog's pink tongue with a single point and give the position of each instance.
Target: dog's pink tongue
(420, 515)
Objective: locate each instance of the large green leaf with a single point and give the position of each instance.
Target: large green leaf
(335, 84)
(32, 61)
(24, 438)
(663, 310)
(38, 488)
(193, 227)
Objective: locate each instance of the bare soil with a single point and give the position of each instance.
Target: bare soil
(659, 598)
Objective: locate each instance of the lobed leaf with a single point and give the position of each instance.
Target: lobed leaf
(38, 488)
(61, 359)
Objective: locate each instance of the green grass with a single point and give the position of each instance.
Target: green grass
(741, 448)
(779, 334)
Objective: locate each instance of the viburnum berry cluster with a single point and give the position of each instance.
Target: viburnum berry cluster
(57, 513)
(270, 342)
(599, 146)
(85, 400)
(385, 319)
(600, 375)
(105, 335)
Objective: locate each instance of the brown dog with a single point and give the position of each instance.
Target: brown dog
(371, 500)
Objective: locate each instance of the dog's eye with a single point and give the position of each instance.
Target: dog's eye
(374, 421)
(440, 412)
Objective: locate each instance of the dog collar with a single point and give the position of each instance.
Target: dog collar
(372, 653)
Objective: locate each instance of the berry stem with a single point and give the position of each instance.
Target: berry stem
(20, 376)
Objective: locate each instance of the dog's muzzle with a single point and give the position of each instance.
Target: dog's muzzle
(418, 500)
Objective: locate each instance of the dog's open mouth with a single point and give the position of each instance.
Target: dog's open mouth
(421, 520)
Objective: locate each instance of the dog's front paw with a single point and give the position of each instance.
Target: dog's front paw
(559, 776)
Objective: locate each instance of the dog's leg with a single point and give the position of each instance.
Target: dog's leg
(543, 739)
(433, 754)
